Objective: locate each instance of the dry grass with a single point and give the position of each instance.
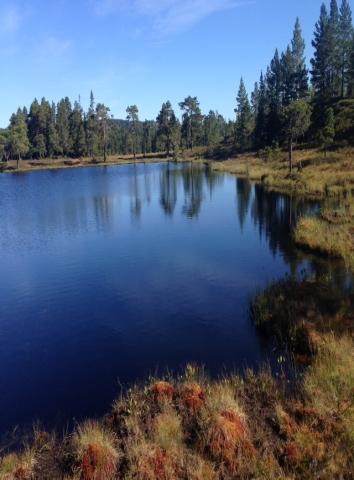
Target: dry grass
(96, 452)
(240, 427)
(330, 237)
(18, 466)
(319, 176)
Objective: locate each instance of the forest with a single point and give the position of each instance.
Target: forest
(292, 101)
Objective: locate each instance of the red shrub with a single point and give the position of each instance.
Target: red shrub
(157, 464)
(192, 396)
(163, 391)
(230, 436)
(292, 453)
(21, 473)
(97, 464)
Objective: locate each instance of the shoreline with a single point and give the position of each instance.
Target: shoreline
(247, 425)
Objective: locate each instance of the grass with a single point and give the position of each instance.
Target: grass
(61, 163)
(331, 234)
(316, 176)
(236, 427)
(18, 466)
(250, 426)
(96, 452)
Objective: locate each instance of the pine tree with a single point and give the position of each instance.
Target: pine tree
(133, 121)
(351, 72)
(244, 119)
(345, 46)
(327, 133)
(64, 110)
(166, 124)
(191, 121)
(297, 119)
(334, 53)
(147, 139)
(53, 138)
(77, 131)
(19, 143)
(102, 116)
(260, 133)
(274, 82)
(320, 61)
(288, 76)
(300, 80)
(213, 129)
(91, 128)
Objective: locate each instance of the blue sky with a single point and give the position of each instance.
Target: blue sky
(141, 51)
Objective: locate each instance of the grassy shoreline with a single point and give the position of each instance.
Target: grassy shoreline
(317, 176)
(250, 426)
(65, 163)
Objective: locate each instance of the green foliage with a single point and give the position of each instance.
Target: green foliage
(327, 133)
(344, 121)
(19, 144)
(244, 119)
(191, 121)
(167, 126)
(297, 118)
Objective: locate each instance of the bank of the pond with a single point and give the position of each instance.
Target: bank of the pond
(238, 427)
(316, 175)
(62, 163)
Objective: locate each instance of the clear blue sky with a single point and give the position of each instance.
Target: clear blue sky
(141, 51)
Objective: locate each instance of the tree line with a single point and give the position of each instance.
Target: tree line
(290, 101)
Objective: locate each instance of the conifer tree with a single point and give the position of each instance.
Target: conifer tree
(64, 110)
(297, 118)
(191, 121)
(166, 125)
(327, 133)
(53, 138)
(288, 76)
(102, 116)
(275, 89)
(147, 138)
(244, 119)
(133, 122)
(351, 72)
(213, 129)
(320, 61)
(334, 53)
(262, 112)
(300, 80)
(19, 144)
(77, 131)
(345, 46)
(91, 128)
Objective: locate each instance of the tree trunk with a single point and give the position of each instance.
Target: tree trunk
(290, 155)
(18, 161)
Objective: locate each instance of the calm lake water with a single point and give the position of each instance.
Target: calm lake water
(108, 274)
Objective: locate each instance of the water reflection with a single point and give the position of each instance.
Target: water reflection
(106, 273)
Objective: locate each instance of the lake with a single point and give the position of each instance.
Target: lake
(108, 274)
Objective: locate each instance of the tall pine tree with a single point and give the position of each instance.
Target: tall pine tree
(244, 119)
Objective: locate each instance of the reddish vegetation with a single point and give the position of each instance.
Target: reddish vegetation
(292, 453)
(97, 464)
(163, 391)
(21, 473)
(192, 396)
(157, 465)
(230, 435)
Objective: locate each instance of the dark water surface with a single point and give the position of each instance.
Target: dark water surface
(109, 273)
